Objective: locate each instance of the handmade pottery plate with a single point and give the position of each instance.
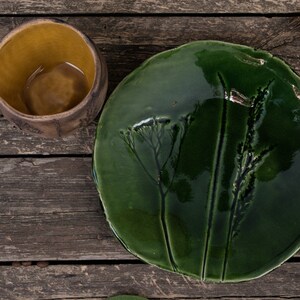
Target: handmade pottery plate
(197, 161)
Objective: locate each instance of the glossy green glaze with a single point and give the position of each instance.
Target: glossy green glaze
(197, 161)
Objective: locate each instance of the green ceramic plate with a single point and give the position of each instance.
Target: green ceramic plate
(197, 161)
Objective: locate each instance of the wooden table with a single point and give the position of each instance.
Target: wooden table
(49, 206)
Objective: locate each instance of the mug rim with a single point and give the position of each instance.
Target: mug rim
(96, 81)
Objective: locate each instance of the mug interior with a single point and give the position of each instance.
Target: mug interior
(37, 44)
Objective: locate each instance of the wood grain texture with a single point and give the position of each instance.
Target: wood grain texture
(127, 42)
(49, 207)
(210, 298)
(150, 6)
(101, 281)
(15, 142)
(276, 33)
(49, 210)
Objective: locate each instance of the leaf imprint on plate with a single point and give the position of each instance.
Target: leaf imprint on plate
(247, 161)
(158, 132)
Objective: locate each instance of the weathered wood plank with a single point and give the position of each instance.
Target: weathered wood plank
(259, 32)
(127, 42)
(150, 6)
(197, 298)
(61, 236)
(49, 210)
(101, 281)
(14, 141)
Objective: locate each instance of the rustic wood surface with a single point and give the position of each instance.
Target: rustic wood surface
(98, 281)
(153, 6)
(14, 142)
(49, 206)
(126, 41)
(49, 210)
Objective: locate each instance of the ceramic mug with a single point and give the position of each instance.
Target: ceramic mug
(41, 45)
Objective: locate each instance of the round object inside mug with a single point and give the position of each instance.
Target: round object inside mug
(50, 70)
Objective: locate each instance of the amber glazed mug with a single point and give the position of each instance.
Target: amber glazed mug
(52, 78)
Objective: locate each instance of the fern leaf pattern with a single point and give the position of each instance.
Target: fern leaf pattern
(247, 162)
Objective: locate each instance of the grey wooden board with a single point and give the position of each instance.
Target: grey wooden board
(276, 33)
(101, 281)
(194, 298)
(127, 41)
(49, 210)
(153, 6)
(14, 142)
